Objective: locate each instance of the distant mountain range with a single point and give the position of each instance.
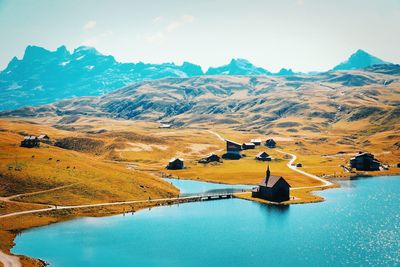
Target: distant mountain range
(250, 103)
(44, 76)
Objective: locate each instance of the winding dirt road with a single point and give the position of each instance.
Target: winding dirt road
(217, 135)
(325, 183)
(9, 198)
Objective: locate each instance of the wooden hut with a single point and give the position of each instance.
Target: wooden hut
(365, 162)
(272, 188)
(210, 158)
(248, 146)
(257, 142)
(30, 141)
(270, 143)
(175, 164)
(232, 150)
(263, 156)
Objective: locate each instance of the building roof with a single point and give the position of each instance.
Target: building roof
(255, 140)
(249, 144)
(363, 154)
(43, 136)
(30, 137)
(271, 181)
(262, 155)
(175, 159)
(232, 142)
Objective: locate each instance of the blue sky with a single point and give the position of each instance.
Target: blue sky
(305, 35)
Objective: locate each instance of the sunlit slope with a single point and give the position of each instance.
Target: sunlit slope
(310, 103)
(89, 178)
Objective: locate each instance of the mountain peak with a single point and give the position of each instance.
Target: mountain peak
(240, 61)
(359, 59)
(237, 66)
(86, 50)
(62, 49)
(360, 52)
(35, 52)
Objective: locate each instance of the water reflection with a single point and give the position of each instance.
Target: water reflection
(190, 187)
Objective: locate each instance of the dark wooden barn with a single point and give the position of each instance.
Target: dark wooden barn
(365, 162)
(263, 156)
(270, 143)
(232, 150)
(210, 158)
(175, 164)
(30, 141)
(272, 188)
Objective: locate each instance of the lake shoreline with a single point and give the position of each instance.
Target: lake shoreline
(61, 218)
(336, 200)
(52, 217)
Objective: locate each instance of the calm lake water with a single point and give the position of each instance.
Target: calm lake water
(358, 225)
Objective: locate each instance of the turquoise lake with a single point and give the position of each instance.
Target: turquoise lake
(358, 225)
(190, 187)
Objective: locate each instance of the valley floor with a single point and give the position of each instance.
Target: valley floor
(91, 164)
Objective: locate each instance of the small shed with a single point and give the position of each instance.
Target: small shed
(30, 141)
(210, 158)
(364, 161)
(263, 156)
(272, 188)
(257, 142)
(248, 146)
(175, 164)
(270, 143)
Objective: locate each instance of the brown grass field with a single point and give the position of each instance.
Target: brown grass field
(106, 160)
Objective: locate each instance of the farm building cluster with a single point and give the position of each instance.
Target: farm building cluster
(233, 152)
(31, 141)
(233, 149)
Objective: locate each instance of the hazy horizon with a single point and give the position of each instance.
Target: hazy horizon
(304, 35)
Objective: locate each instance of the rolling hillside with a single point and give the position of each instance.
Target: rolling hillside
(259, 103)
